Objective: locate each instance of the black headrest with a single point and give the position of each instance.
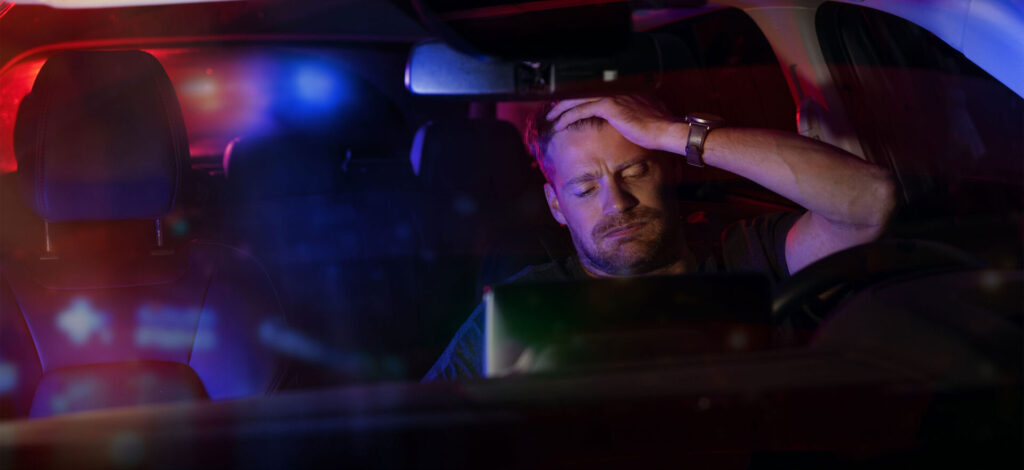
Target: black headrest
(100, 137)
(480, 157)
(273, 166)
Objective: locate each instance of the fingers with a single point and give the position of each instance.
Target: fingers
(564, 105)
(580, 111)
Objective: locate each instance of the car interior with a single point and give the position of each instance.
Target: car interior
(228, 201)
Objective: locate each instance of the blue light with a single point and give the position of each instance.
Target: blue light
(317, 90)
(8, 377)
(75, 394)
(277, 336)
(80, 321)
(316, 84)
(173, 328)
(311, 94)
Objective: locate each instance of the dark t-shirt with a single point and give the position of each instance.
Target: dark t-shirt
(755, 245)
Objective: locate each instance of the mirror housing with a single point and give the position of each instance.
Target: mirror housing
(437, 69)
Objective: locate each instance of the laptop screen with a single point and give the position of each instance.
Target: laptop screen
(560, 326)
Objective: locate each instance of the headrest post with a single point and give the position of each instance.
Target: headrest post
(46, 235)
(159, 234)
(160, 250)
(47, 244)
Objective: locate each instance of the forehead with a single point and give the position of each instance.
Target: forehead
(589, 149)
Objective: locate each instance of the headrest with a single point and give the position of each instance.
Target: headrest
(273, 166)
(479, 157)
(100, 137)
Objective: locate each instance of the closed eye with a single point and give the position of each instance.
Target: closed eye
(584, 192)
(635, 171)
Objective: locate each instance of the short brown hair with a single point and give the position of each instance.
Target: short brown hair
(539, 131)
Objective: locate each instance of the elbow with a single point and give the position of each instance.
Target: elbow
(883, 204)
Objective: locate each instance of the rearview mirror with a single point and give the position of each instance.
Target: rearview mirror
(435, 68)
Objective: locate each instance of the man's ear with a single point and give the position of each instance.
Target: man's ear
(556, 211)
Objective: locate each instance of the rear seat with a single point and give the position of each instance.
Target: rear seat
(338, 235)
(97, 309)
(378, 257)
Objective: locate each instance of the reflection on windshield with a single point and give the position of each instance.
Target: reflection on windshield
(293, 343)
(170, 328)
(80, 321)
(8, 376)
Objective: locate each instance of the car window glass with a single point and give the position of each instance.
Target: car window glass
(949, 131)
(230, 92)
(735, 73)
(15, 82)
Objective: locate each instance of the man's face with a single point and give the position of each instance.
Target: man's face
(614, 197)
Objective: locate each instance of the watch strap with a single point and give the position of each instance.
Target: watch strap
(700, 125)
(695, 143)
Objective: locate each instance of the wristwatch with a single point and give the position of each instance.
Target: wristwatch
(700, 125)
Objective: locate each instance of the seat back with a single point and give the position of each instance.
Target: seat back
(478, 180)
(337, 229)
(105, 311)
(483, 208)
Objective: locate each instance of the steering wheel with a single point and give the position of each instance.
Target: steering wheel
(820, 285)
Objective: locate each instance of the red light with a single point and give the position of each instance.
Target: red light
(698, 217)
(14, 85)
(5, 7)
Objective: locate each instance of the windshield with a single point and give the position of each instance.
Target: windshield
(244, 205)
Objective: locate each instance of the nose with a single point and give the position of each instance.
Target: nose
(616, 199)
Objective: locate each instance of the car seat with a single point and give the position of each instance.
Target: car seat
(105, 309)
(336, 227)
(484, 214)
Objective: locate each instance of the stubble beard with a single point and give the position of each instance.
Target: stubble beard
(647, 250)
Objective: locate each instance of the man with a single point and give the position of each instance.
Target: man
(611, 165)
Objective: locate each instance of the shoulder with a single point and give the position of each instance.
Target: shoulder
(757, 244)
(463, 358)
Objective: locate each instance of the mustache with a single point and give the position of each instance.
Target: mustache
(612, 222)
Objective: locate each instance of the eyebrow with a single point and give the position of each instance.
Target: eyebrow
(581, 179)
(593, 176)
(633, 162)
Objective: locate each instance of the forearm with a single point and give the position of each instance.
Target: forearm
(825, 180)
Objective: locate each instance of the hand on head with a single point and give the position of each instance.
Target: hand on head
(641, 120)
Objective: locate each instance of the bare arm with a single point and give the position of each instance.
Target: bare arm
(849, 201)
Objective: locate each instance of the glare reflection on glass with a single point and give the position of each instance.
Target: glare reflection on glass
(80, 321)
(8, 377)
(203, 91)
(174, 328)
(316, 90)
(991, 281)
(278, 336)
(293, 343)
(315, 84)
(127, 448)
(76, 391)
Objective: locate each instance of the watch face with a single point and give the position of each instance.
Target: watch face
(704, 118)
